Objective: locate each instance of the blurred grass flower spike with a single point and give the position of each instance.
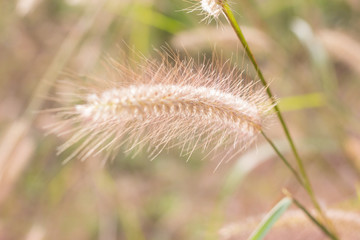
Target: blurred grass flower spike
(160, 105)
(212, 9)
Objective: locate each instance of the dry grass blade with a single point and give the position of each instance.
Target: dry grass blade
(342, 46)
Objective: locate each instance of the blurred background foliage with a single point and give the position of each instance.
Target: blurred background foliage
(310, 50)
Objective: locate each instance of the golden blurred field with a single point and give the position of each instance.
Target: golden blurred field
(308, 50)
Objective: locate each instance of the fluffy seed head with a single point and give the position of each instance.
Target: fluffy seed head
(211, 7)
(161, 105)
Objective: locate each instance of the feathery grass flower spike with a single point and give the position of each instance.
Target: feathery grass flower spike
(164, 104)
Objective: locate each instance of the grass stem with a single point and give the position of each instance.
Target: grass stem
(305, 179)
(285, 161)
(308, 214)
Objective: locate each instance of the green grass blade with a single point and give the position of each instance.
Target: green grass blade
(270, 219)
(301, 102)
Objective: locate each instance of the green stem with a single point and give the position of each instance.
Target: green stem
(286, 162)
(308, 214)
(230, 17)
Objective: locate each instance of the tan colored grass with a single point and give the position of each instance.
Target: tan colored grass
(16, 149)
(342, 47)
(207, 37)
(158, 105)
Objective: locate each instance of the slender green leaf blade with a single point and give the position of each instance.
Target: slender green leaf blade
(270, 219)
